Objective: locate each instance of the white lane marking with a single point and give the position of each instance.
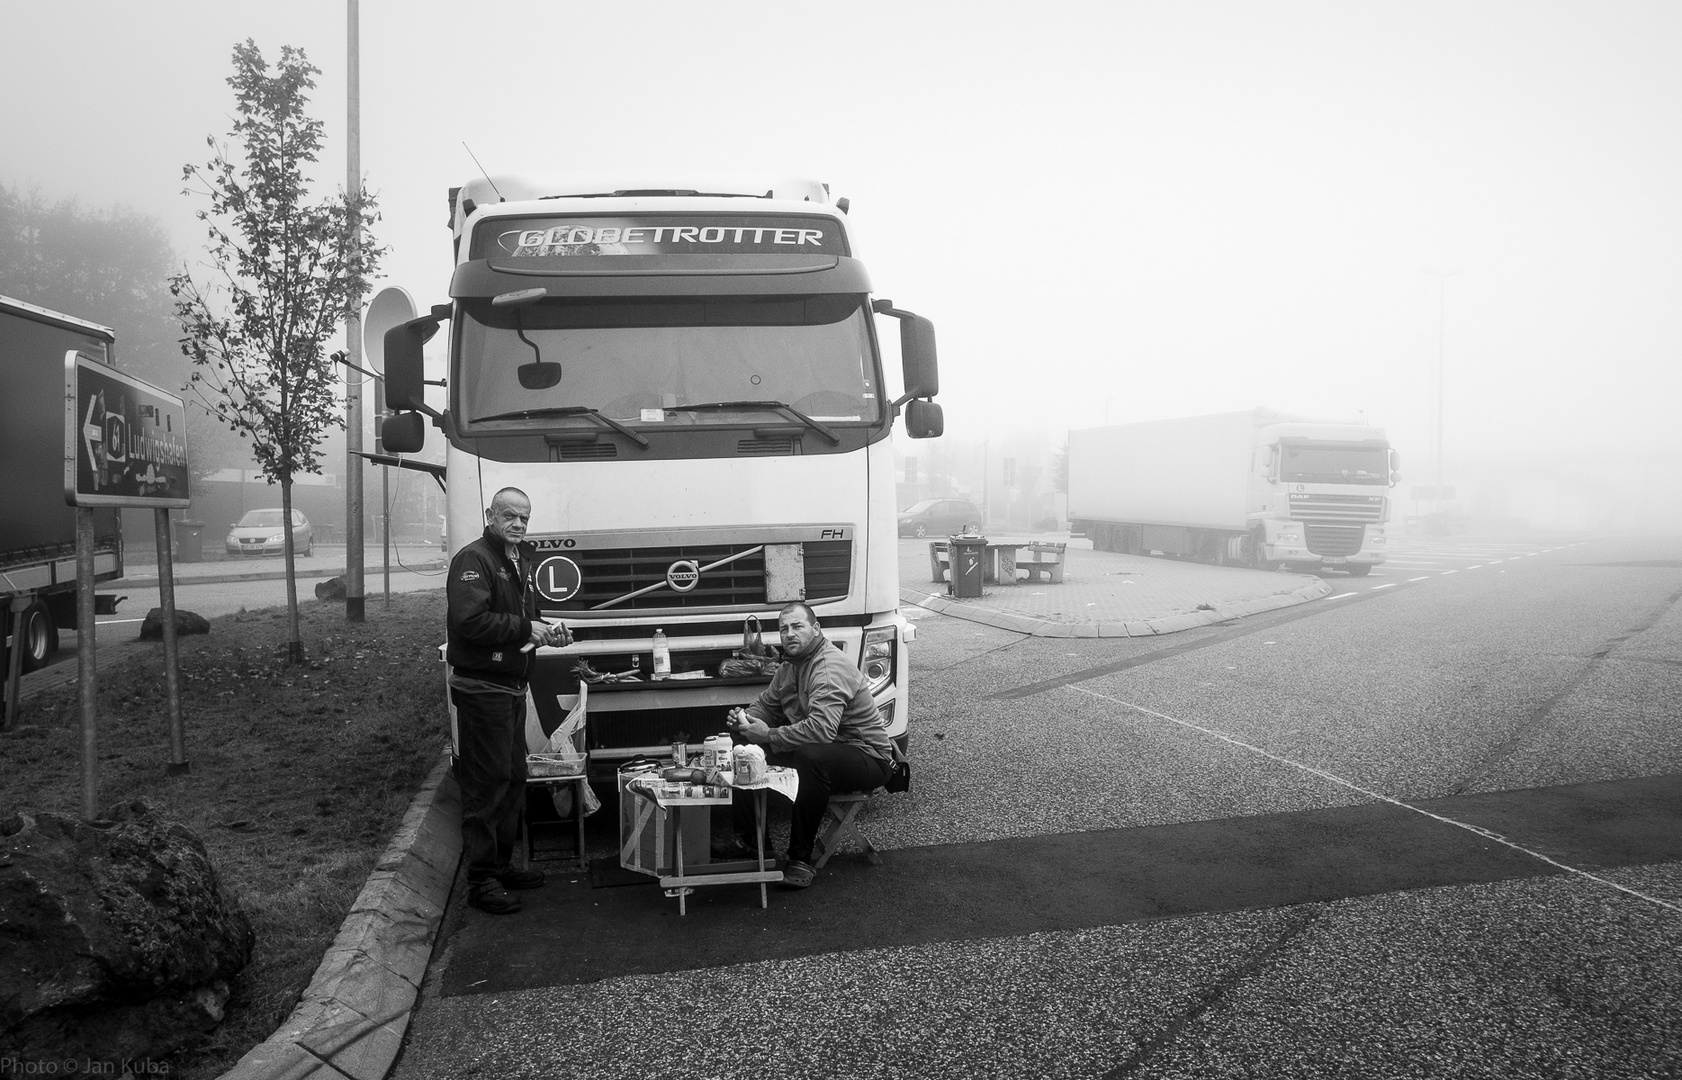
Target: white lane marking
(1477, 830)
(1448, 572)
(1339, 596)
(1474, 566)
(1420, 578)
(114, 622)
(1375, 588)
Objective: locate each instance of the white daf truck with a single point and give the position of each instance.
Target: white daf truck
(684, 375)
(1260, 488)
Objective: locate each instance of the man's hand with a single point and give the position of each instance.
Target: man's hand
(750, 727)
(546, 634)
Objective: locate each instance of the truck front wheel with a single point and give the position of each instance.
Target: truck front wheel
(1256, 549)
(1359, 569)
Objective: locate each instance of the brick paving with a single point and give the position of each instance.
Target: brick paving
(1108, 595)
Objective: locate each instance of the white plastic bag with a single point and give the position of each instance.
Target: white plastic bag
(565, 749)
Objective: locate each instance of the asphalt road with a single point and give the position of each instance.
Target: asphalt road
(211, 599)
(1429, 826)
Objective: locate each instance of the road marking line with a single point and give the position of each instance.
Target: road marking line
(1477, 830)
(1420, 578)
(1339, 596)
(114, 622)
(1448, 572)
(1375, 588)
(1474, 566)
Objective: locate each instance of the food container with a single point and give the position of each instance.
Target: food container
(715, 753)
(748, 764)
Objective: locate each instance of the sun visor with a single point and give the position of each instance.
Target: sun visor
(662, 275)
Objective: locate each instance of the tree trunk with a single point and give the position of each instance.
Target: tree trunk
(294, 639)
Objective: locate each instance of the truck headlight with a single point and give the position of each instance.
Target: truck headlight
(876, 657)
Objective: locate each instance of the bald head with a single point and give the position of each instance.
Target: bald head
(509, 514)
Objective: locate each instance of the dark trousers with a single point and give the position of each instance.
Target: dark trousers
(824, 770)
(491, 772)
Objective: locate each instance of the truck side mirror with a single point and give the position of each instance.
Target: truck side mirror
(916, 352)
(917, 357)
(924, 419)
(405, 369)
(404, 433)
(1395, 468)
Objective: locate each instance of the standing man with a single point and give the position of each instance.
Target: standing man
(817, 717)
(494, 634)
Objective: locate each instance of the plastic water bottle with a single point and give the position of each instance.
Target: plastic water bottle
(662, 656)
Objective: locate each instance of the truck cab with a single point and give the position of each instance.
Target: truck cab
(684, 375)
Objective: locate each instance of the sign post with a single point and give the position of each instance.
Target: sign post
(125, 444)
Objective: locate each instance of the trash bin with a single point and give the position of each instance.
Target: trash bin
(189, 541)
(967, 553)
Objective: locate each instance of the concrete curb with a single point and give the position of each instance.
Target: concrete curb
(970, 611)
(352, 1018)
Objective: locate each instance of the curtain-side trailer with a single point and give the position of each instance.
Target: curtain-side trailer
(38, 528)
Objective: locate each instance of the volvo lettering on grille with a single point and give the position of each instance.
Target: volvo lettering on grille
(683, 575)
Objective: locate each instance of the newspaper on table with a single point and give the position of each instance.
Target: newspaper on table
(781, 779)
(668, 793)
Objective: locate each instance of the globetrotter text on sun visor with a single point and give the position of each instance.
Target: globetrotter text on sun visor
(659, 234)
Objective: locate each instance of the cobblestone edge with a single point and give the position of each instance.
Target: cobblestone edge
(351, 1019)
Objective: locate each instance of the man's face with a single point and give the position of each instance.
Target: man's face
(508, 516)
(797, 630)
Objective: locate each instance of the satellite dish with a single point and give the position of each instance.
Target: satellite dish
(391, 306)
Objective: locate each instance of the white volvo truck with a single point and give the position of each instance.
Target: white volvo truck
(684, 375)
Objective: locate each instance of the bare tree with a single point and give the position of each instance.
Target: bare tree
(283, 272)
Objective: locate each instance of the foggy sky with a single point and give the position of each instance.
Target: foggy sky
(1112, 211)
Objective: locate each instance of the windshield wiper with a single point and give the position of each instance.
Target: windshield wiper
(822, 429)
(567, 410)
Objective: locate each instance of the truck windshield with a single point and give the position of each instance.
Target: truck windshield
(641, 360)
(1330, 463)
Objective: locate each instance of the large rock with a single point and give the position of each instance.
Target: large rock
(186, 622)
(331, 589)
(116, 939)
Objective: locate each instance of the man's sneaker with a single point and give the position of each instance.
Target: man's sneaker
(521, 879)
(492, 897)
(798, 875)
(735, 848)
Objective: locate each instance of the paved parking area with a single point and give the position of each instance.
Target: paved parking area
(1104, 594)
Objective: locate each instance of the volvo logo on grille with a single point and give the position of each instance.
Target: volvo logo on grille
(683, 575)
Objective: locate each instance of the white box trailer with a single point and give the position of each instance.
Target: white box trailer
(1259, 487)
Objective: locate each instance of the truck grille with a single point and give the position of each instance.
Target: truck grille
(610, 573)
(1338, 508)
(1333, 540)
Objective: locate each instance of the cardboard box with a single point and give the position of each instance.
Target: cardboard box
(647, 839)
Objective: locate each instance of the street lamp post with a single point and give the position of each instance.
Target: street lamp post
(1442, 277)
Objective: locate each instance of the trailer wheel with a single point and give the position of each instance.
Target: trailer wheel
(40, 636)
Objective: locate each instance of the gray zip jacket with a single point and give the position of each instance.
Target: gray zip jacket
(818, 698)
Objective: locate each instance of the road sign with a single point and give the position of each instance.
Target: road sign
(125, 440)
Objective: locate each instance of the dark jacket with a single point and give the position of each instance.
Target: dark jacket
(492, 607)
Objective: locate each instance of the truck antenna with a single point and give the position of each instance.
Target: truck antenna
(488, 179)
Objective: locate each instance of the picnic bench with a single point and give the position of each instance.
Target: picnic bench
(1002, 560)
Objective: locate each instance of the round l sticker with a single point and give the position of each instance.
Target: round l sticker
(558, 579)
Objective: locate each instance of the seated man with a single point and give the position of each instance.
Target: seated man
(817, 717)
